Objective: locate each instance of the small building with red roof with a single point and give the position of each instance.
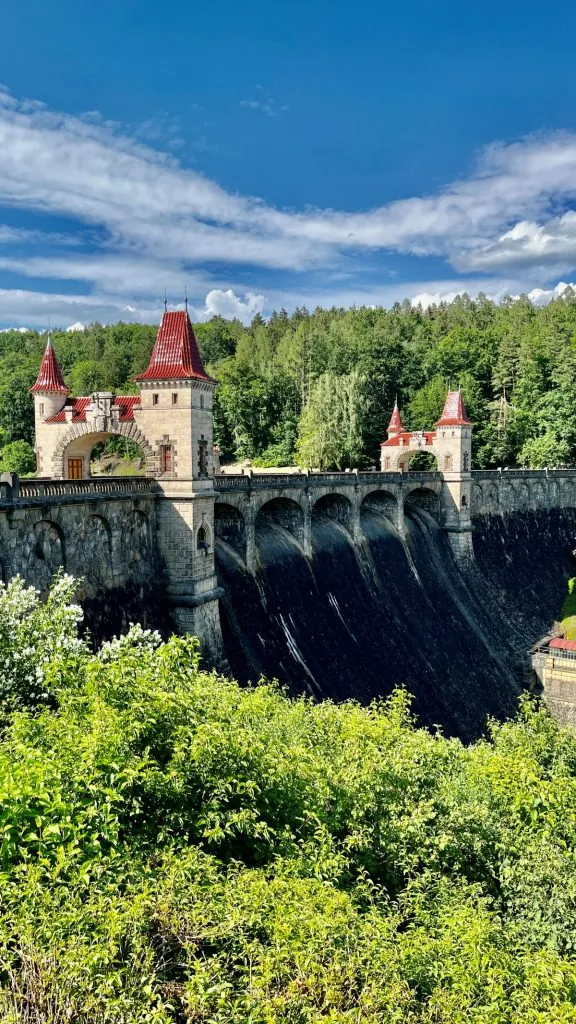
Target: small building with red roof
(450, 445)
(170, 419)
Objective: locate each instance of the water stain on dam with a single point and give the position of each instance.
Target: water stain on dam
(358, 620)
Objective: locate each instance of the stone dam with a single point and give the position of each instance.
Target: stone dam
(341, 585)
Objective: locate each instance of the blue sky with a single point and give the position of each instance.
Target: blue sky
(266, 155)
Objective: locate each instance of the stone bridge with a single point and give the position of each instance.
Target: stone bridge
(101, 530)
(294, 499)
(136, 532)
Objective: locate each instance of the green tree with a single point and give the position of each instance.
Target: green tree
(17, 457)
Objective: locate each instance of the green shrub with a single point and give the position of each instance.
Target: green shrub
(175, 848)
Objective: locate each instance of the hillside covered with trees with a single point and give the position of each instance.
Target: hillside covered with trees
(316, 389)
(175, 848)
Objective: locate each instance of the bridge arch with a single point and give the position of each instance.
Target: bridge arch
(230, 527)
(381, 502)
(426, 498)
(82, 438)
(336, 507)
(283, 512)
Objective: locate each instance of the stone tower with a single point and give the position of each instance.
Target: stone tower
(451, 444)
(175, 415)
(171, 421)
(50, 394)
(453, 449)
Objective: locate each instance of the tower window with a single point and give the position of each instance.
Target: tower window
(201, 401)
(166, 460)
(448, 462)
(465, 461)
(202, 456)
(202, 539)
(41, 408)
(174, 398)
(155, 399)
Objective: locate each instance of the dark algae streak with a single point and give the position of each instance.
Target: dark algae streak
(358, 620)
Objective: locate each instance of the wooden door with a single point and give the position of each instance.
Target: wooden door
(75, 469)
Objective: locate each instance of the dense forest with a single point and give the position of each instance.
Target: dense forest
(316, 389)
(176, 848)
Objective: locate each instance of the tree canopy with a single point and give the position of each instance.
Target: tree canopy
(318, 387)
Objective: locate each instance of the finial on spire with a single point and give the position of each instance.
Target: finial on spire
(165, 302)
(395, 426)
(186, 297)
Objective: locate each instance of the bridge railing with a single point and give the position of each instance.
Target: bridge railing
(246, 481)
(103, 485)
(521, 474)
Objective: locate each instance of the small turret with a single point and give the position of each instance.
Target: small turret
(49, 389)
(395, 426)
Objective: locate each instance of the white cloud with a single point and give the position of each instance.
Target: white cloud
(56, 163)
(79, 326)
(231, 306)
(157, 219)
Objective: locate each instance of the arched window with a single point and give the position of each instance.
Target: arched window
(202, 539)
(464, 501)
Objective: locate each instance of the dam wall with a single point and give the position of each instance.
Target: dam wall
(342, 585)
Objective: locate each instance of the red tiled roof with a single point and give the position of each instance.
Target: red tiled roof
(395, 426)
(175, 355)
(49, 375)
(453, 413)
(560, 643)
(406, 437)
(126, 405)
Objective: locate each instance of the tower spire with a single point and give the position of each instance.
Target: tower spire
(395, 426)
(49, 375)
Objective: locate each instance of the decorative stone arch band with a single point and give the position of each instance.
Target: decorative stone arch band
(127, 430)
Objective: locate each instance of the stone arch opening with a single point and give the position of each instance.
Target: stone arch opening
(424, 498)
(230, 527)
(72, 459)
(335, 507)
(381, 503)
(43, 551)
(283, 512)
(418, 460)
(203, 539)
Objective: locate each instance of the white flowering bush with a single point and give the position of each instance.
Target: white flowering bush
(33, 634)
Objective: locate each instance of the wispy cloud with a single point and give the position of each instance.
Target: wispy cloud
(161, 223)
(266, 105)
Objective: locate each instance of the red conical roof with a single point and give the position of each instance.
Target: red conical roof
(395, 426)
(454, 413)
(49, 375)
(175, 355)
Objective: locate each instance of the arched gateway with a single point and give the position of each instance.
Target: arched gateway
(170, 420)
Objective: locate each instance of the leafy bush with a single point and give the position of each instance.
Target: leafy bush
(17, 457)
(176, 848)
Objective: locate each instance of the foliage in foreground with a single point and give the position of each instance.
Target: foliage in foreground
(175, 848)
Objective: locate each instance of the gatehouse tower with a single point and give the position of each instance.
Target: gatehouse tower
(450, 443)
(171, 420)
